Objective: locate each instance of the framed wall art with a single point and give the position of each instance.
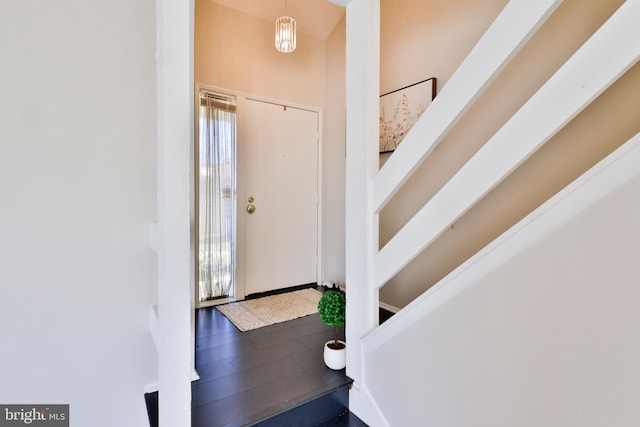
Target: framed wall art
(400, 110)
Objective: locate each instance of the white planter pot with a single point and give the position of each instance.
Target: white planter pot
(335, 359)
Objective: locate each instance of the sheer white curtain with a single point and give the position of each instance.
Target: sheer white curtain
(217, 196)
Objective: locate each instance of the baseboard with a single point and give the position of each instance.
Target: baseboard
(389, 307)
(280, 291)
(151, 387)
(154, 386)
(364, 406)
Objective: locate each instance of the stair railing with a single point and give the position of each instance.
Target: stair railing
(605, 57)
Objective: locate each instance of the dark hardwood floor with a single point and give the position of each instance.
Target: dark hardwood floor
(248, 377)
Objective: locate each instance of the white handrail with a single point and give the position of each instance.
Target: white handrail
(593, 68)
(515, 25)
(605, 177)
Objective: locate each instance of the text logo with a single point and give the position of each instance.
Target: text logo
(34, 415)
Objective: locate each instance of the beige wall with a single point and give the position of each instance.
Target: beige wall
(429, 38)
(236, 51)
(425, 38)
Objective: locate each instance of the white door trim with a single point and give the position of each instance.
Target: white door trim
(240, 291)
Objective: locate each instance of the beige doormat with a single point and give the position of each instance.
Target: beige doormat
(265, 311)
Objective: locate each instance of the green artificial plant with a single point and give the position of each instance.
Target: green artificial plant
(331, 308)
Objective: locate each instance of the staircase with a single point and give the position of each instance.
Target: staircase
(511, 336)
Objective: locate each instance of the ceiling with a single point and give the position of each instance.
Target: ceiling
(316, 18)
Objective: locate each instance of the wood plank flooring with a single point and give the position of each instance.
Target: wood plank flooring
(246, 377)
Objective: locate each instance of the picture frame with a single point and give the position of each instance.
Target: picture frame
(400, 109)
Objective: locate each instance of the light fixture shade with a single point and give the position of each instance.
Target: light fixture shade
(286, 34)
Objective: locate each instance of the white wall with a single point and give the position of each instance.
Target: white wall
(334, 156)
(77, 178)
(420, 39)
(549, 338)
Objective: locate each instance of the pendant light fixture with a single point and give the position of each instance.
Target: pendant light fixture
(285, 33)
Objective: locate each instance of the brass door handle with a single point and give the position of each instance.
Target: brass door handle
(251, 209)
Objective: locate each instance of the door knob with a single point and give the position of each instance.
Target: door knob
(251, 209)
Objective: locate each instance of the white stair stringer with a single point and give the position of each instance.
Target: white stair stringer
(606, 56)
(538, 328)
(609, 174)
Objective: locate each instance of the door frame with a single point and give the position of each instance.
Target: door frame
(195, 184)
(239, 291)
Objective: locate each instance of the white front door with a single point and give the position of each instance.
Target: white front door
(277, 196)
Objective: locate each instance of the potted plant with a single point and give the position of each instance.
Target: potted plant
(331, 309)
